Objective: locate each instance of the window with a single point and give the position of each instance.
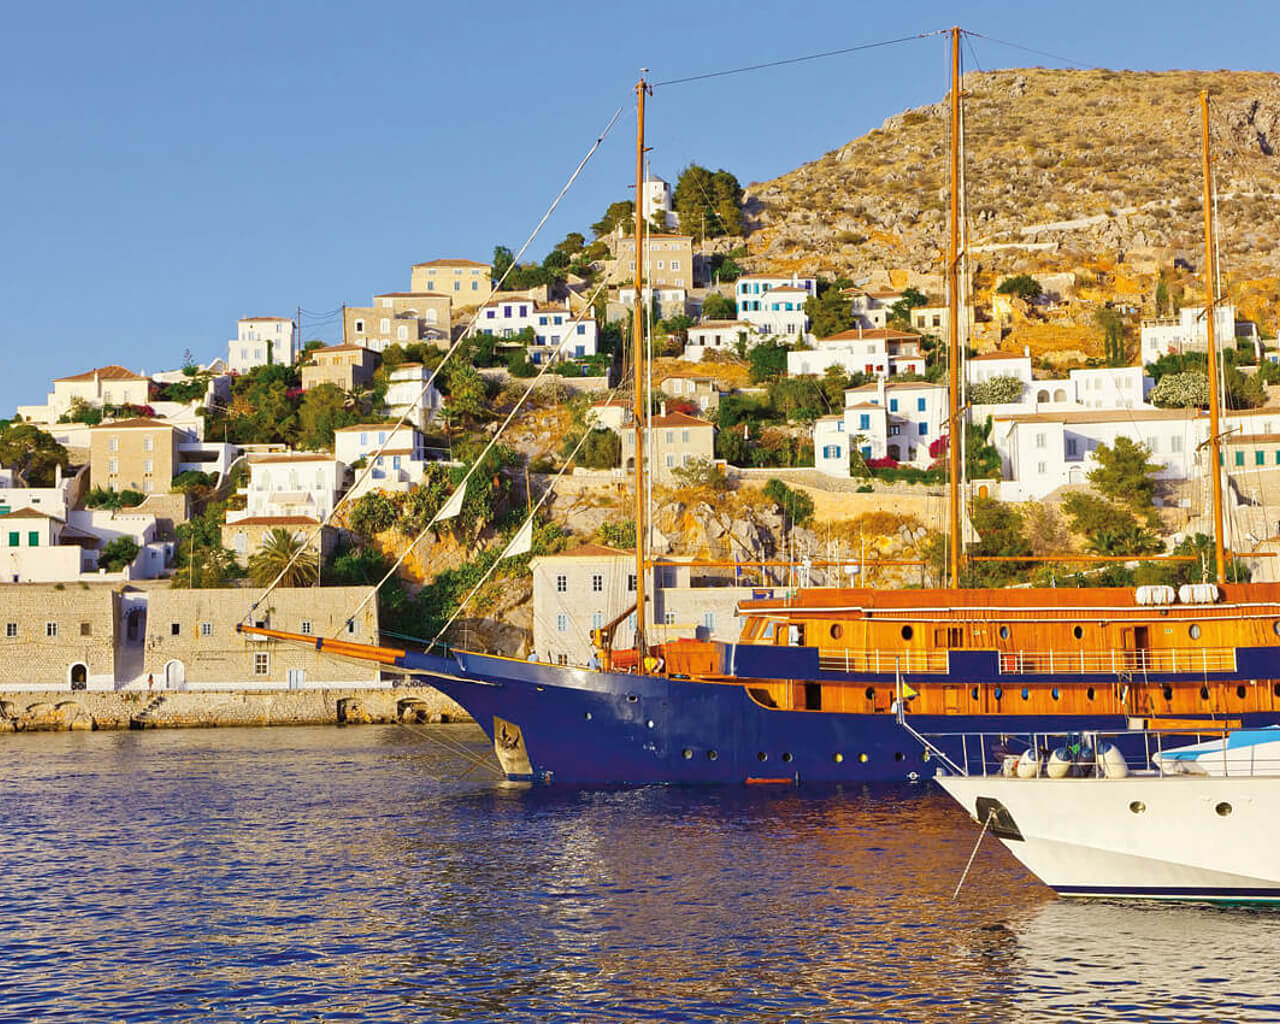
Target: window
(669, 618)
(11, 629)
(893, 405)
(562, 659)
(206, 629)
(175, 629)
(113, 445)
(1041, 468)
(1041, 440)
(261, 663)
(113, 466)
(86, 629)
(457, 286)
(148, 466)
(14, 538)
(351, 627)
(895, 429)
(359, 327)
(562, 584)
(864, 421)
(631, 582)
(684, 437)
(922, 429)
(1259, 458)
(597, 582)
(831, 451)
(50, 629)
(671, 437)
(597, 620)
(305, 628)
(709, 620)
(1175, 444)
(148, 444)
(675, 264)
(1072, 445)
(920, 404)
(562, 623)
(33, 538)
(671, 461)
(1239, 458)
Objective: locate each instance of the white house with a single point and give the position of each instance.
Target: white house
(718, 336)
(55, 501)
(558, 332)
(399, 458)
(895, 420)
(1111, 387)
(261, 340)
(871, 309)
(292, 484)
(990, 365)
(105, 385)
(878, 352)
(657, 199)
(1188, 332)
(36, 547)
(774, 303)
(408, 393)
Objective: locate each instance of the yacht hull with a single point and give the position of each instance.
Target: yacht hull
(1140, 837)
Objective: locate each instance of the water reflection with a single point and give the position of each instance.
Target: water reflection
(352, 874)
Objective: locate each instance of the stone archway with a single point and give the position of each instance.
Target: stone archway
(79, 676)
(175, 675)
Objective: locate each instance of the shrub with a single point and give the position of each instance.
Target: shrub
(996, 391)
(117, 554)
(797, 505)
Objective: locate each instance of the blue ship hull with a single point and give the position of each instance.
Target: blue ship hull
(583, 727)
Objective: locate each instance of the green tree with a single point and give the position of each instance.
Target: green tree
(900, 311)
(995, 391)
(829, 313)
(1162, 295)
(503, 258)
(32, 455)
(982, 458)
(602, 449)
(1000, 529)
(118, 553)
(1022, 286)
(199, 557)
(1124, 473)
(622, 213)
(796, 505)
(466, 401)
(708, 204)
(800, 399)
(768, 361)
(323, 410)
(372, 513)
(717, 307)
(282, 552)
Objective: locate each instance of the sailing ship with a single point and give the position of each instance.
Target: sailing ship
(818, 686)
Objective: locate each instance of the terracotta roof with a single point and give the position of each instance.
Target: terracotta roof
(866, 405)
(873, 333)
(685, 376)
(411, 295)
(397, 451)
(366, 426)
(112, 372)
(905, 385)
(342, 348)
(678, 419)
(612, 401)
(282, 319)
(290, 457)
(1252, 439)
(137, 421)
(450, 262)
(590, 551)
(999, 355)
(774, 277)
(276, 521)
(29, 513)
(789, 288)
(720, 324)
(1104, 416)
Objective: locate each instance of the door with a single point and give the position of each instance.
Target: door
(297, 677)
(175, 675)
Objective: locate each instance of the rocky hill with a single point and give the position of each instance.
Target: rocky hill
(1095, 172)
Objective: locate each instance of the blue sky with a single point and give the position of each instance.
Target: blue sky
(172, 167)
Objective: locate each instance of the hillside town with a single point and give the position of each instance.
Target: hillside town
(145, 511)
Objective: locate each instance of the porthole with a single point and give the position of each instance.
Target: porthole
(712, 755)
(1077, 632)
(649, 723)
(838, 758)
(999, 692)
(1204, 693)
(1137, 807)
(1223, 809)
(587, 716)
(907, 632)
(1089, 693)
(687, 754)
(837, 631)
(1168, 693)
(762, 756)
(1276, 627)
(1004, 632)
(899, 756)
(862, 759)
(1241, 691)
(540, 689)
(1193, 631)
(871, 693)
(632, 698)
(1026, 693)
(787, 758)
(974, 693)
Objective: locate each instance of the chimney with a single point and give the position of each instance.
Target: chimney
(1026, 351)
(662, 407)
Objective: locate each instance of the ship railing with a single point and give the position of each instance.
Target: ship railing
(1116, 662)
(993, 753)
(861, 659)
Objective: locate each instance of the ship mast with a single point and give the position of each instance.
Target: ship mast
(1211, 314)
(638, 405)
(953, 320)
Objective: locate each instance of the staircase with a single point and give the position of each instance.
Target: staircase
(142, 719)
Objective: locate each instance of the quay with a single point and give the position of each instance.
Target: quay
(47, 711)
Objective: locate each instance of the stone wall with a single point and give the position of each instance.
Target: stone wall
(24, 711)
(52, 634)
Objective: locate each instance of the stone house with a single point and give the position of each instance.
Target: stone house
(467, 282)
(58, 638)
(106, 385)
(668, 261)
(246, 536)
(137, 454)
(398, 318)
(701, 391)
(347, 367)
(678, 440)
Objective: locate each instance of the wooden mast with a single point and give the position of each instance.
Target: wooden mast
(638, 405)
(953, 320)
(1211, 315)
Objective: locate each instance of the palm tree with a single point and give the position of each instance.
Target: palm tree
(277, 555)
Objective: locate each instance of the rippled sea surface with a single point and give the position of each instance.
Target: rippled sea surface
(356, 874)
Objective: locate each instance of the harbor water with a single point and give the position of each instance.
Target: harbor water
(324, 874)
